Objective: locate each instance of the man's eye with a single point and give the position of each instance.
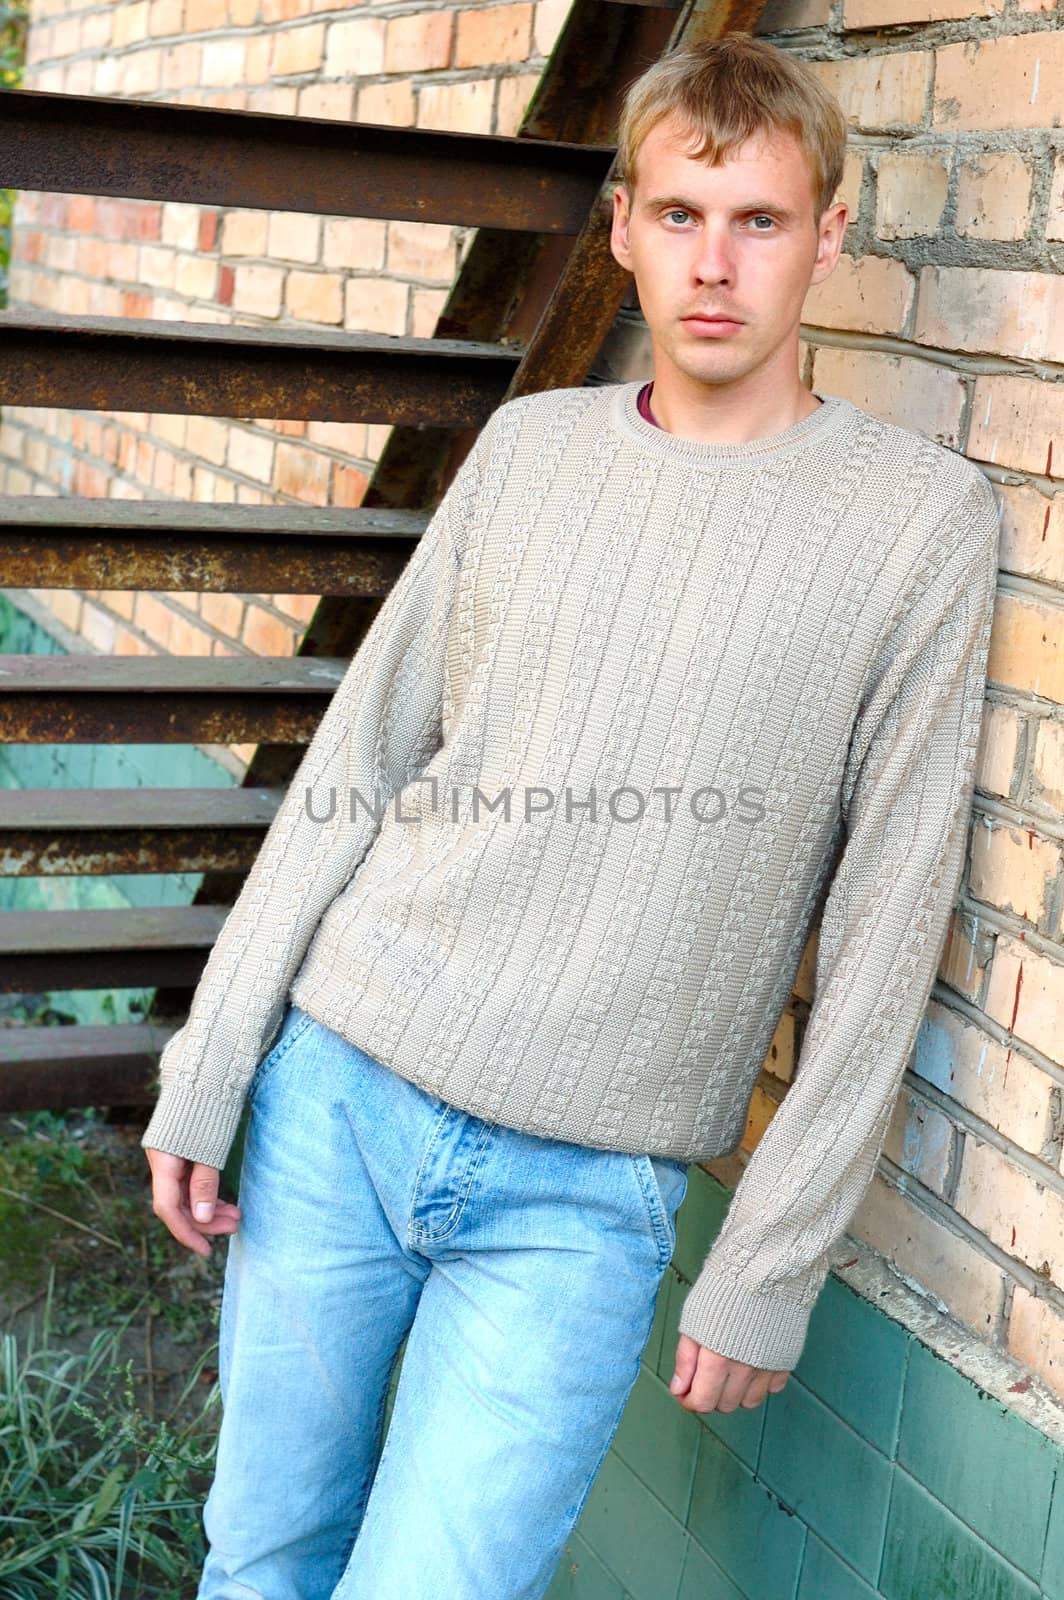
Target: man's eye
(678, 212)
(761, 217)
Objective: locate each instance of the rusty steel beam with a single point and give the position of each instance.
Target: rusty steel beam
(66, 832)
(123, 947)
(208, 369)
(205, 155)
(82, 1064)
(56, 542)
(82, 699)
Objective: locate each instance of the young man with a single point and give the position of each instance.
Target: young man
(674, 666)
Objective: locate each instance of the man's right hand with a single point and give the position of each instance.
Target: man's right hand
(179, 1188)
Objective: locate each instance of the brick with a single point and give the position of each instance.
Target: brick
(1014, 870)
(1025, 994)
(196, 277)
(999, 750)
(314, 296)
(1026, 646)
(223, 62)
(268, 635)
(901, 389)
(224, 612)
(1004, 1201)
(515, 92)
(547, 24)
(919, 1139)
(786, 16)
(990, 1079)
(967, 954)
(458, 107)
(426, 307)
(298, 50)
(335, 100)
(130, 26)
(299, 606)
(421, 250)
(355, 47)
(1032, 533)
(178, 225)
(154, 619)
(348, 485)
(981, 309)
(244, 233)
(491, 35)
(1015, 81)
(872, 294)
(994, 196)
(1055, 218)
(258, 69)
(356, 244)
(1047, 768)
(141, 74)
(961, 1276)
(911, 192)
(187, 638)
(258, 290)
(165, 17)
(183, 64)
(887, 13)
(1036, 1337)
(303, 474)
(208, 437)
(418, 42)
(294, 236)
(1016, 421)
(375, 305)
(201, 16)
(347, 437)
(250, 453)
(389, 104)
(879, 91)
(66, 605)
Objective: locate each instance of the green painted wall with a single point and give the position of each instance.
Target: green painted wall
(879, 1470)
(47, 766)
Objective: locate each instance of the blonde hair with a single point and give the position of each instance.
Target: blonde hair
(725, 90)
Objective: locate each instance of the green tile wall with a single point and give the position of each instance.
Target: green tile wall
(878, 1471)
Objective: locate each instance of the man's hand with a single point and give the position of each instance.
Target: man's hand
(706, 1381)
(180, 1188)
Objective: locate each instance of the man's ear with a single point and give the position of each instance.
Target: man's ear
(619, 228)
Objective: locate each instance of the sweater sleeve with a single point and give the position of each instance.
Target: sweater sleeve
(906, 804)
(380, 728)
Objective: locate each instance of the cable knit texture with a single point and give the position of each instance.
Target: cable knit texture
(636, 710)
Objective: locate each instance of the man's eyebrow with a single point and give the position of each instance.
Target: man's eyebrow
(774, 206)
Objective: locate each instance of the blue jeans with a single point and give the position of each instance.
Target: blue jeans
(523, 1274)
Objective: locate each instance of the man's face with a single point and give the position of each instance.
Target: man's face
(739, 239)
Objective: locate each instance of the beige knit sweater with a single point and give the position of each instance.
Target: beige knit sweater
(704, 691)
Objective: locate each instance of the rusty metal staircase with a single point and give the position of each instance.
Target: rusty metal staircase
(536, 295)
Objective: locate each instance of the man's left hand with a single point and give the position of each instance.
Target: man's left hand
(706, 1381)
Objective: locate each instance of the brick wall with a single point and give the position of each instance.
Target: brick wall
(946, 313)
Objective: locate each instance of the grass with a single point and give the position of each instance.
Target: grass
(109, 1400)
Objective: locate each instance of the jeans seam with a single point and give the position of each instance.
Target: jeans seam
(654, 1201)
(455, 1218)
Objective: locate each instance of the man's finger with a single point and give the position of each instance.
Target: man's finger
(169, 1202)
(203, 1191)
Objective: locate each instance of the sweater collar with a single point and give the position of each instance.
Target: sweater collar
(831, 418)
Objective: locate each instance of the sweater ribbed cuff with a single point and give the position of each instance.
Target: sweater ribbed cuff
(195, 1124)
(765, 1330)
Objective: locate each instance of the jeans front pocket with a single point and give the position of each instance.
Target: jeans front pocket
(293, 1024)
(663, 1182)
